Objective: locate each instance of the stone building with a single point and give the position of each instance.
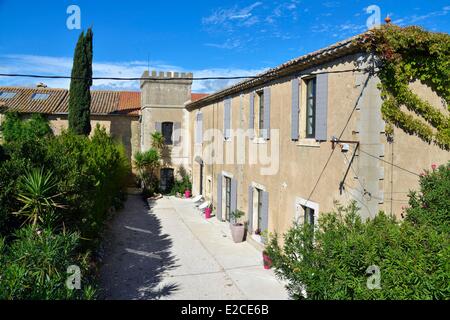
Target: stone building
(281, 147)
(285, 146)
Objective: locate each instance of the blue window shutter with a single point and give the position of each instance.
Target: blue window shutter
(266, 132)
(250, 209)
(199, 128)
(176, 135)
(251, 118)
(265, 211)
(295, 109)
(321, 107)
(227, 118)
(219, 197)
(158, 127)
(233, 206)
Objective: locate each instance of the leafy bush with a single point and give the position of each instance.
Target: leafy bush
(181, 185)
(331, 262)
(432, 204)
(34, 266)
(15, 129)
(10, 171)
(91, 176)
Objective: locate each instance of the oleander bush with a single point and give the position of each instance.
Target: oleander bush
(34, 266)
(332, 261)
(432, 204)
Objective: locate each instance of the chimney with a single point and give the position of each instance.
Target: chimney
(41, 85)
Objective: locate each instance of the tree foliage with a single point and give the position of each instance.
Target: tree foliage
(81, 81)
(409, 54)
(332, 260)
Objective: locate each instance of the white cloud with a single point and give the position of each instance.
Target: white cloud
(237, 23)
(414, 19)
(46, 65)
(226, 16)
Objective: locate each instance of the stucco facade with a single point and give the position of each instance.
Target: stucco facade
(309, 173)
(125, 129)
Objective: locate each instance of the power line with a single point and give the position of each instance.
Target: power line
(391, 163)
(340, 136)
(269, 75)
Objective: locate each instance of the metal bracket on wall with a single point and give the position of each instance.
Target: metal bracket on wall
(342, 143)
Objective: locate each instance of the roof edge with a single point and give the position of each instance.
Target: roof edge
(337, 50)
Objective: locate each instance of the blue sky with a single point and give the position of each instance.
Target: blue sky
(223, 38)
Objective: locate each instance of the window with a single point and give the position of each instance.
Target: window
(167, 180)
(167, 130)
(308, 217)
(40, 96)
(227, 198)
(310, 107)
(259, 193)
(260, 112)
(7, 94)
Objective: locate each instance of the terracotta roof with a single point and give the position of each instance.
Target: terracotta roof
(198, 96)
(129, 102)
(289, 68)
(102, 102)
(23, 100)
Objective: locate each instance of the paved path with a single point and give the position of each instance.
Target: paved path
(169, 251)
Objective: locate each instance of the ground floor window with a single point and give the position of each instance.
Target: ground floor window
(259, 209)
(227, 198)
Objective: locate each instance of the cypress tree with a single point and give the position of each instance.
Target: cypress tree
(79, 93)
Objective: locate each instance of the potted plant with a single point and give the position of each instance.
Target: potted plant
(237, 228)
(208, 211)
(267, 262)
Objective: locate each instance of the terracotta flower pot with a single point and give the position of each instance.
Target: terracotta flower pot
(237, 232)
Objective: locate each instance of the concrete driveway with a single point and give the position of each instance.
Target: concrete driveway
(169, 251)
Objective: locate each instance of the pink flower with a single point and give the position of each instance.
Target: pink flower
(433, 166)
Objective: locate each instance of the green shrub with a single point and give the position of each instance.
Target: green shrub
(91, 176)
(432, 204)
(15, 129)
(10, 171)
(36, 191)
(34, 266)
(331, 262)
(181, 185)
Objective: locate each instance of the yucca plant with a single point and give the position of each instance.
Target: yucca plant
(158, 141)
(37, 193)
(146, 164)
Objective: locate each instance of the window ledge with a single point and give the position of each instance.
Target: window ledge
(259, 140)
(312, 143)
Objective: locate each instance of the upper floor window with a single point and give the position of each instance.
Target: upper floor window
(40, 96)
(167, 130)
(260, 95)
(310, 108)
(7, 94)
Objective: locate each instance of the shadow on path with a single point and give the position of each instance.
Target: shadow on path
(136, 254)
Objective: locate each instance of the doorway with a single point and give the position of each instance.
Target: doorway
(167, 180)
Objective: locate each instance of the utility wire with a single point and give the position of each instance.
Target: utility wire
(269, 75)
(340, 136)
(391, 163)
